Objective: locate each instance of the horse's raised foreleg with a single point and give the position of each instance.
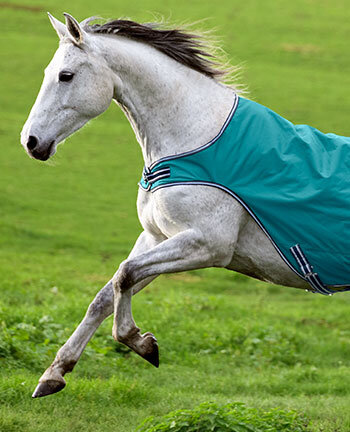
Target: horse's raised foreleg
(100, 308)
(186, 250)
(52, 380)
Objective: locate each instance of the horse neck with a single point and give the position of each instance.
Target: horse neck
(171, 108)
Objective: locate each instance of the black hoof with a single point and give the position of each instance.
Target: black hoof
(46, 388)
(153, 357)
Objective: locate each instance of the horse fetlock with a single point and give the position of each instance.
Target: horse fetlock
(69, 366)
(127, 337)
(64, 362)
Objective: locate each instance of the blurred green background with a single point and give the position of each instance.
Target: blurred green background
(65, 225)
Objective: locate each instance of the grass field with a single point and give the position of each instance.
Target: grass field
(66, 225)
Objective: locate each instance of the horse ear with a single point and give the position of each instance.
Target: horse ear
(74, 29)
(60, 28)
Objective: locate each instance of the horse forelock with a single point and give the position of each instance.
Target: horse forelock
(188, 48)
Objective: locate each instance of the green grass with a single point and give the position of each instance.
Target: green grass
(234, 417)
(67, 224)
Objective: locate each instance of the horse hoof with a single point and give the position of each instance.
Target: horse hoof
(153, 357)
(46, 388)
(152, 354)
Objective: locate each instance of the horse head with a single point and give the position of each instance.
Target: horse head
(77, 86)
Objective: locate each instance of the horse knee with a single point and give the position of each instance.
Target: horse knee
(123, 280)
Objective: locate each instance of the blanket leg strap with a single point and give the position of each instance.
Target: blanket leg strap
(307, 271)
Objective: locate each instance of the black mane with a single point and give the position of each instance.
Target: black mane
(186, 48)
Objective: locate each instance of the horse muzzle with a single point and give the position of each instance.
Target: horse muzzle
(38, 150)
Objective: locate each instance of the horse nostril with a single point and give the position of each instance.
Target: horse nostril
(32, 142)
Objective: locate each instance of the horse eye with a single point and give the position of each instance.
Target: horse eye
(65, 76)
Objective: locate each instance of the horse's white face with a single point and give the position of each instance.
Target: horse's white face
(77, 87)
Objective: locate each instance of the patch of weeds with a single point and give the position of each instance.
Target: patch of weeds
(28, 344)
(233, 417)
(259, 345)
(31, 342)
(273, 346)
(308, 374)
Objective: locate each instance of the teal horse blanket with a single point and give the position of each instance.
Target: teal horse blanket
(293, 179)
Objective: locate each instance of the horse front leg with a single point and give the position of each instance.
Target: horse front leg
(188, 250)
(100, 308)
